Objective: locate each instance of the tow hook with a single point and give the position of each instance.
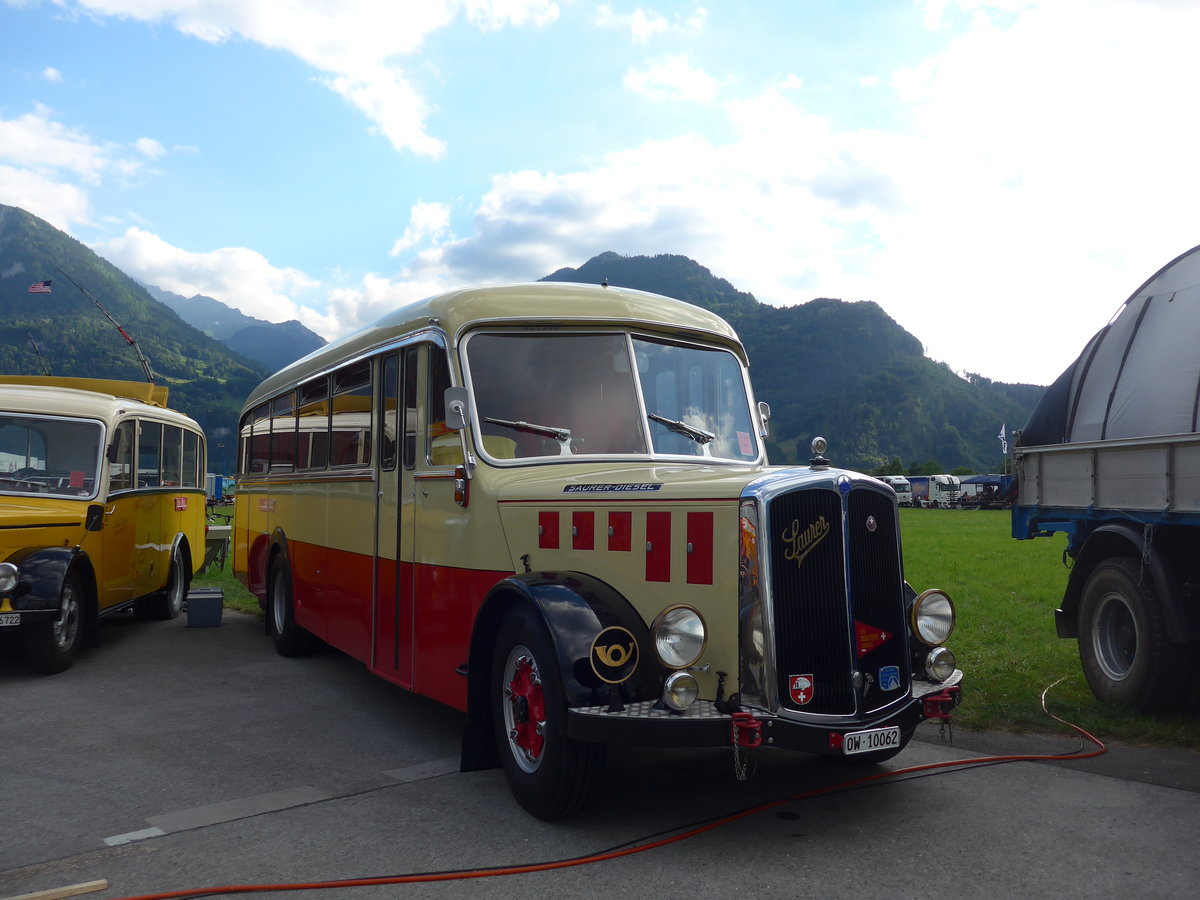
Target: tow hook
(746, 731)
(941, 706)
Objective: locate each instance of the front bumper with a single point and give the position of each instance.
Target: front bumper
(702, 725)
(16, 618)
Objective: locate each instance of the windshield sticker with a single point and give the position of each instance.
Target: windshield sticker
(609, 488)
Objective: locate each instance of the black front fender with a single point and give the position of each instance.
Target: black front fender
(590, 624)
(43, 570)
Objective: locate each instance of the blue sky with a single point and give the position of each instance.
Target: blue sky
(998, 175)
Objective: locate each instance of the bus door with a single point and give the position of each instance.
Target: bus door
(446, 588)
(392, 641)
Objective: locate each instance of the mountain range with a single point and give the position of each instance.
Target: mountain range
(843, 370)
(271, 345)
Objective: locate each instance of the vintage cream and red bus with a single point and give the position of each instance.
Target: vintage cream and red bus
(548, 505)
(101, 508)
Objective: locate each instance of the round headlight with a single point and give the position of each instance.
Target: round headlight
(933, 618)
(680, 691)
(939, 664)
(679, 636)
(9, 576)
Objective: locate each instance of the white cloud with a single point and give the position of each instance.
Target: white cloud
(236, 276)
(51, 74)
(427, 221)
(354, 42)
(674, 79)
(150, 148)
(643, 25)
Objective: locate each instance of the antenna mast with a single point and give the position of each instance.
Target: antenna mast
(125, 334)
(41, 362)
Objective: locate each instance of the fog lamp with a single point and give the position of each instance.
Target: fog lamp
(939, 664)
(9, 576)
(679, 636)
(680, 691)
(933, 618)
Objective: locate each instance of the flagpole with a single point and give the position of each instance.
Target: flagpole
(125, 334)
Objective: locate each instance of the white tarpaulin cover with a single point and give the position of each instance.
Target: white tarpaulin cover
(1140, 375)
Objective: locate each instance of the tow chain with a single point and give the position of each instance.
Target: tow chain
(745, 734)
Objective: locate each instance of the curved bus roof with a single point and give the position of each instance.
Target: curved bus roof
(89, 398)
(537, 303)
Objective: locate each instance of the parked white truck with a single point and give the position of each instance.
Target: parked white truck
(1111, 458)
(935, 491)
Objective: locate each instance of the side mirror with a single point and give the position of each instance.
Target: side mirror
(457, 401)
(114, 449)
(764, 413)
(94, 520)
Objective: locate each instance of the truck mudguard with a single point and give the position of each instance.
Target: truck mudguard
(1122, 539)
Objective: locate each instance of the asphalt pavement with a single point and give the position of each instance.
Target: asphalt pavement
(175, 758)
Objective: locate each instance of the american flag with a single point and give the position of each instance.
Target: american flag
(40, 287)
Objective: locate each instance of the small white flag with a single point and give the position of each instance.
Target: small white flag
(1003, 439)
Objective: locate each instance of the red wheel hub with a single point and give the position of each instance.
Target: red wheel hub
(529, 708)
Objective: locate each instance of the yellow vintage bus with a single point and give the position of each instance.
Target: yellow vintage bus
(549, 506)
(102, 508)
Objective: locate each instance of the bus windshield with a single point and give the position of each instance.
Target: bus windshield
(560, 394)
(49, 455)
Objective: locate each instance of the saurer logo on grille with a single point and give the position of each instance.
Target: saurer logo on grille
(798, 544)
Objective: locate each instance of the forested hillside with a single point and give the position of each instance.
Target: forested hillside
(206, 379)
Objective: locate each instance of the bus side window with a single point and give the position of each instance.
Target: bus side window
(350, 435)
(445, 446)
(313, 421)
(191, 459)
(149, 467)
(411, 355)
(283, 433)
(172, 455)
(120, 468)
(387, 412)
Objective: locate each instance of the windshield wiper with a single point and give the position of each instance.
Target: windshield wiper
(699, 435)
(562, 435)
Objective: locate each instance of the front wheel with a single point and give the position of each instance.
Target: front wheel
(1123, 644)
(51, 646)
(549, 774)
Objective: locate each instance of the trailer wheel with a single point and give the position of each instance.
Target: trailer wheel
(290, 639)
(549, 774)
(1123, 645)
(51, 646)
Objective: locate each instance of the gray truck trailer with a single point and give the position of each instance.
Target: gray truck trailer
(1111, 458)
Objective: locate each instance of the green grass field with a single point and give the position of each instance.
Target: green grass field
(1005, 592)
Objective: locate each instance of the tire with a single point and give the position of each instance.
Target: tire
(167, 603)
(549, 774)
(1123, 644)
(51, 647)
(290, 639)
